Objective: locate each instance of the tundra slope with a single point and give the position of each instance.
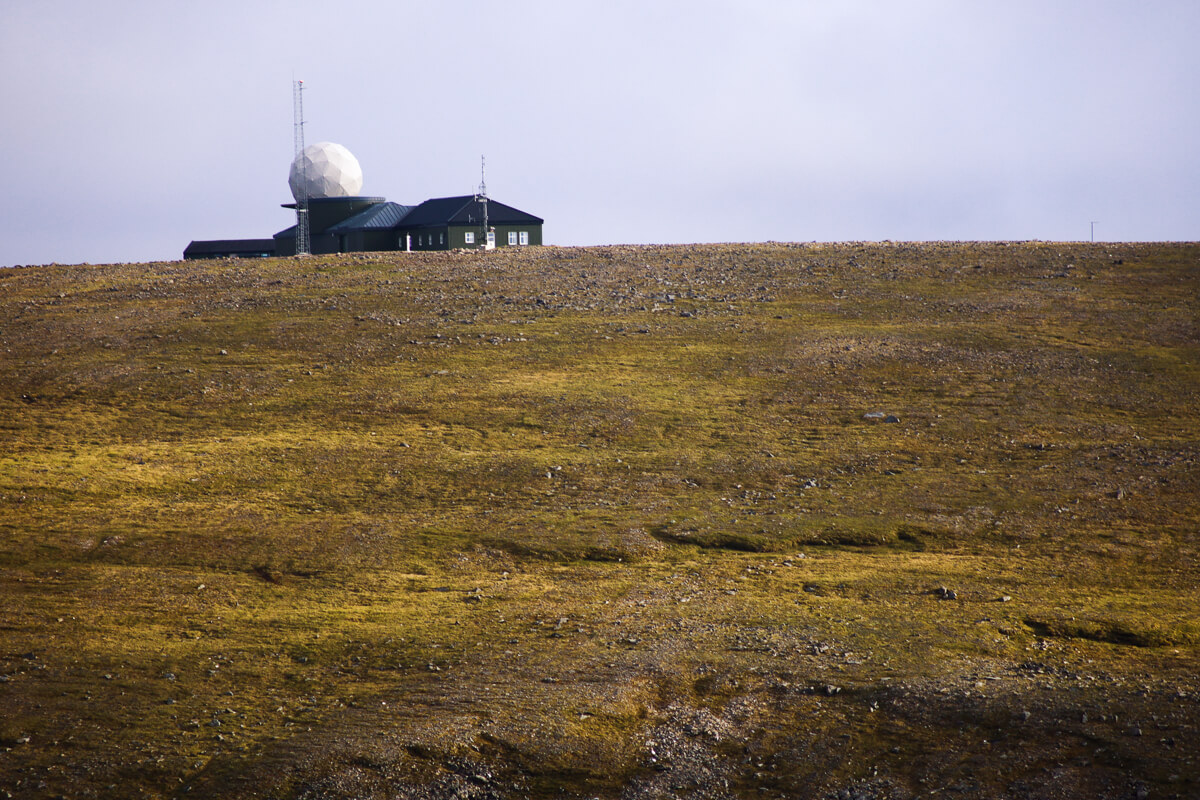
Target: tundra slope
(615, 522)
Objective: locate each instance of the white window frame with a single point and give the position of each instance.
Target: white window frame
(469, 237)
(512, 238)
(523, 237)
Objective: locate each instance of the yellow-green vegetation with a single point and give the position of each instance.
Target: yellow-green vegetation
(858, 520)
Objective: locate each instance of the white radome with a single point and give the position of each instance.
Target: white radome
(329, 169)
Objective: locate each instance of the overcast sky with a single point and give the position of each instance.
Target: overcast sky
(131, 128)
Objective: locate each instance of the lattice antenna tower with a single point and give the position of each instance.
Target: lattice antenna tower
(303, 246)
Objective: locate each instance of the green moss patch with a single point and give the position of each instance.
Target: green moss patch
(883, 520)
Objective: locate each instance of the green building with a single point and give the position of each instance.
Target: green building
(359, 224)
(451, 223)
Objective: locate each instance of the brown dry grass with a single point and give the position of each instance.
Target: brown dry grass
(603, 522)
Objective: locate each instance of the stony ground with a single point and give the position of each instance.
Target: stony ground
(732, 521)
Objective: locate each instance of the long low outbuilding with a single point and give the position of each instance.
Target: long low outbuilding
(230, 248)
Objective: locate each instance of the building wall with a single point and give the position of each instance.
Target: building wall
(325, 212)
(369, 241)
(423, 239)
(350, 242)
(285, 246)
(502, 232)
(230, 248)
(456, 236)
(432, 238)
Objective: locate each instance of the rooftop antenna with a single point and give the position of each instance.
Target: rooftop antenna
(303, 247)
(482, 198)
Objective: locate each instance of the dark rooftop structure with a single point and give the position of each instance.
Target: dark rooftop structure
(225, 248)
(376, 217)
(467, 210)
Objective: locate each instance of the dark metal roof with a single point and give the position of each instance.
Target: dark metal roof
(328, 201)
(376, 217)
(228, 247)
(465, 210)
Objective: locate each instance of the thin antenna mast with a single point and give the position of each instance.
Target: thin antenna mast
(482, 199)
(303, 246)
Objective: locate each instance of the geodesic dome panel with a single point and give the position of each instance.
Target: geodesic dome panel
(328, 170)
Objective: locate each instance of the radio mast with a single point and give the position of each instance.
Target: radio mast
(482, 197)
(303, 246)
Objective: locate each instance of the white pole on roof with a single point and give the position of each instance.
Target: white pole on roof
(482, 197)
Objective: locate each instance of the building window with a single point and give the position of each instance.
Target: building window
(441, 238)
(524, 237)
(512, 237)
(469, 237)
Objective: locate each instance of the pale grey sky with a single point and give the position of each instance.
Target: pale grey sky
(129, 128)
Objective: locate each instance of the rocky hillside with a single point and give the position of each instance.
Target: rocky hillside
(730, 521)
